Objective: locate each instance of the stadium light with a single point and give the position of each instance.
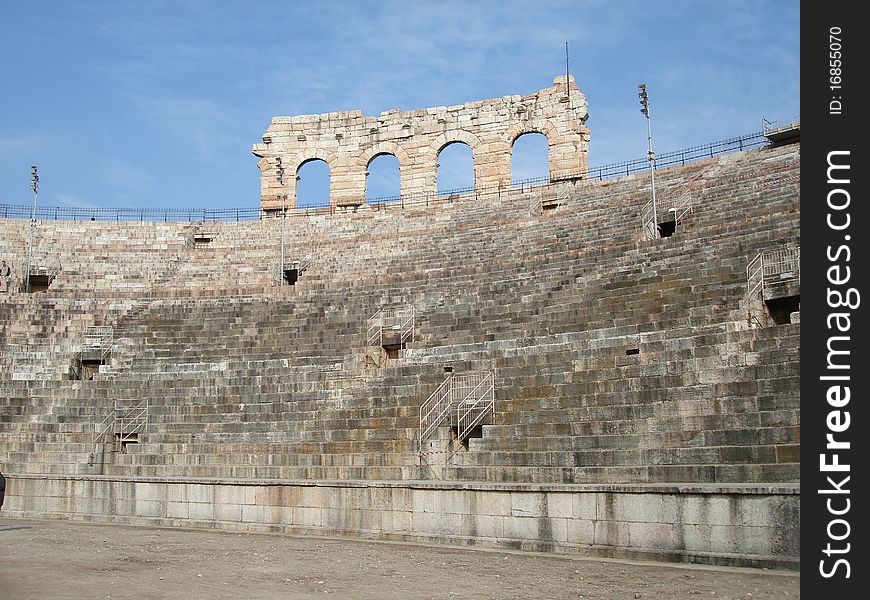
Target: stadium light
(279, 171)
(644, 108)
(34, 186)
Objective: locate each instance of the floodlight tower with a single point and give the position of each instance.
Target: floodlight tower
(644, 103)
(279, 171)
(34, 186)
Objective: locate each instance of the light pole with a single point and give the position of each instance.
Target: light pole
(280, 173)
(644, 103)
(34, 185)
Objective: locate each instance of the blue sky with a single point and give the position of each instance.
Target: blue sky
(156, 103)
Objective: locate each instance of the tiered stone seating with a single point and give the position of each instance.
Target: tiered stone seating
(245, 379)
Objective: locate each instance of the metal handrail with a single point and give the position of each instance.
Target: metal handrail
(772, 266)
(465, 425)
(301, 265)
(104, 427)
(769, 126)
(375, 329)
(130, 420)
(680, 207)
(122, 421)
(96, 338)
(435, 404)
(455, 394)
(402, 318)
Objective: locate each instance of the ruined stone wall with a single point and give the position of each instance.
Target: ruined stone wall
(349, 141)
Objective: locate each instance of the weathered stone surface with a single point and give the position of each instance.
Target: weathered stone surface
(767, 534)
(348, 142)
(622, 365)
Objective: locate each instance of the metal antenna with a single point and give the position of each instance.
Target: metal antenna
(566, 70)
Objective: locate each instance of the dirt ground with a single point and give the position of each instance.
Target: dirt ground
(60, 559)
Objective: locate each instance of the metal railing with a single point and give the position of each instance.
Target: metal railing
(479, 401)
(96, 340)
(676, 206)
(435, 409)
(189, 236)
(123, 424)
(773, 126)
(48, 271)
(772, 267)
(300, 265)
(677, 157)
(470, 397)
(399, 320)
(539, 202)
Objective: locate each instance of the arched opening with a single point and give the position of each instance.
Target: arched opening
(455, 169)
(530, 162)
(383, 179)
(312, 184)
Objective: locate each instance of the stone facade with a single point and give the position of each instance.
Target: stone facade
(641, 411)
(349, 141)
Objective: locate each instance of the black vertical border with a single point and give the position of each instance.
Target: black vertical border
(822, 132)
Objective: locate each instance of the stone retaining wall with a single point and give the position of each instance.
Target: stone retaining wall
(739, 525)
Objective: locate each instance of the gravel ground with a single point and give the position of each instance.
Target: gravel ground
(46, 559)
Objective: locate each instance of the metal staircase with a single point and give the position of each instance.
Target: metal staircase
(772, 267)
(539, 203)
(95, 346)
(462, 401)
(389, 330)
(396, 321)
(289, 271)
(122, 425)
(676, 207)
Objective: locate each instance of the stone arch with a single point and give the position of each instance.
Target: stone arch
(416, 137)
(315, 178)
(301, 158)
(542, 126)
(383, 178)
(366, 158)
(530, 158)
(538, 126)
(292, 164)
(295, 162)
(453, 136)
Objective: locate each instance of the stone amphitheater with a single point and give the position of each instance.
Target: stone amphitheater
(515, 367)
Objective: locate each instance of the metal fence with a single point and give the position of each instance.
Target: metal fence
(772, 267)
(623, 169)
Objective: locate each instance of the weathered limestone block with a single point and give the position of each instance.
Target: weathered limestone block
(348, 142)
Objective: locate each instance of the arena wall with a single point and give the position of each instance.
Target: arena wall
(635, 381)
(714, 524)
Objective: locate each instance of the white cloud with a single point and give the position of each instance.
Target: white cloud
(21, 145)
(71, 199)
(121, 175)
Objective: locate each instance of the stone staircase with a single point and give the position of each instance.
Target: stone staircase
(616, 359)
